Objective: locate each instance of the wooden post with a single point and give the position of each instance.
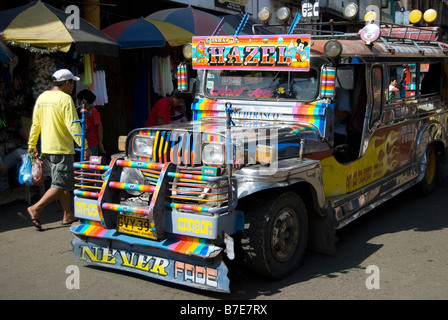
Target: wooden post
(91, 12)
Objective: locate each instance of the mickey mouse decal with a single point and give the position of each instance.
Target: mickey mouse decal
(301, 58)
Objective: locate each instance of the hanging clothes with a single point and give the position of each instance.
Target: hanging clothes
(162, 75)
(98, 87)
(88, 72)
(156, 76)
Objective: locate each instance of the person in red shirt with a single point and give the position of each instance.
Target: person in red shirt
(163, 109)
(94, 127)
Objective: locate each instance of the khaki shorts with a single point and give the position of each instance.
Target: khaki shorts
(62, 171)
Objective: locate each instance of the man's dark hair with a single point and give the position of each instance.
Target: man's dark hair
(178, 95)
(87, 95)
(59, 83)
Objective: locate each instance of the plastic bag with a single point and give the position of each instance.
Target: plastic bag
(37, 171)
(25, 176)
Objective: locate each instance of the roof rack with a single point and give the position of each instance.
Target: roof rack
(401, 32)
(409, 34)
(390, 33)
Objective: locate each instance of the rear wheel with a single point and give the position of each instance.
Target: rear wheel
(275, 240)
(429, 182)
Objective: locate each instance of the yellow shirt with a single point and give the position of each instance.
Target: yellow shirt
(53, 116)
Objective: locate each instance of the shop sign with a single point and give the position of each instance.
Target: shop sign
(271, 52)
(310, 11)
(235, 5)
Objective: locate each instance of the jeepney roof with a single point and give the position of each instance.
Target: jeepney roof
(382, 48)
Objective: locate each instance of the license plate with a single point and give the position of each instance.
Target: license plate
(135, 226)
(86, 209)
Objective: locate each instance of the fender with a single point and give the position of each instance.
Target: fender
(431, 132)
(289, 172)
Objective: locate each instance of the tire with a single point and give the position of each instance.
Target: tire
(275, 240)
(429, 181)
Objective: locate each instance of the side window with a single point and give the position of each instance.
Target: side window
(377, 84)
(430, 78)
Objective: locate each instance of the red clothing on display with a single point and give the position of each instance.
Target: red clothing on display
(92, 121)
(162, 108)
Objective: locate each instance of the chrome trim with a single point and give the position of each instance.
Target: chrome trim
(348, 209)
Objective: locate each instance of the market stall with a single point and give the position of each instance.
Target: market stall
(38, 39)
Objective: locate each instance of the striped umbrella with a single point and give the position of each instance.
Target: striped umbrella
(198, 22)
(145, 33)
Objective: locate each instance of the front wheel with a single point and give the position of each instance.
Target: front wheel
(275, 240)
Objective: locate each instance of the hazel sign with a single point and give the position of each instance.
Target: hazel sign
(269, 52)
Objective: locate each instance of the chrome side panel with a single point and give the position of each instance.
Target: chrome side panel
(349, 208)
(288, 172)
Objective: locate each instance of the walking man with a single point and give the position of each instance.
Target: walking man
(53, 119)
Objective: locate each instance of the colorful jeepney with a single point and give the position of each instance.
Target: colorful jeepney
(257, 174)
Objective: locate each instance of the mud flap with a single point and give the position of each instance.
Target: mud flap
(184, 269)
(322, 234)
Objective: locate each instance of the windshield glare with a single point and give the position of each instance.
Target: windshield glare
(262, 85)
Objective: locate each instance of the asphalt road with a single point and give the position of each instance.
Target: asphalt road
(405, 240)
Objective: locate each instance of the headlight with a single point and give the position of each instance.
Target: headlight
(213, 153)
(264, 15)
(187, 51)
(333, 49)
(132, 176)
(142, 146)
(351, 10)
(283, 14)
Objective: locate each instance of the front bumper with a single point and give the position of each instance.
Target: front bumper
(185, 243)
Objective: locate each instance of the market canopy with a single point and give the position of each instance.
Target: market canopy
(42, 28)
(145, 33)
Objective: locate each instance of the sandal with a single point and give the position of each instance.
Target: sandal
(34, 222)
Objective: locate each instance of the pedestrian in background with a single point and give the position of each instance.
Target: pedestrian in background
(163, 109)
(94, 131)
(54, 118)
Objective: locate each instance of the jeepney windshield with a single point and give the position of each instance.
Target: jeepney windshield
(262, 85)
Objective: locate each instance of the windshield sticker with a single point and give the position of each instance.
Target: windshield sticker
(276, 52)
(258, 92)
